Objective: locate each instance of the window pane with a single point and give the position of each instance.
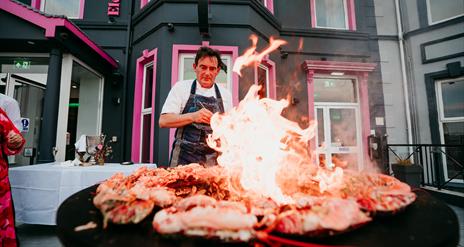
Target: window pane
(334, 90)
(188, 73)
(148, 86)
(453, 99)
(454, 135)
(262, 81)
(331, 13)
(69, 8)
(444, 9)
(145, 134)
(343, 127)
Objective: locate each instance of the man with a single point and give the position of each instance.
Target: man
(189, 107)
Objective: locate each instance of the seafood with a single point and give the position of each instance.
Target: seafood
(204, 216)
(209, 202)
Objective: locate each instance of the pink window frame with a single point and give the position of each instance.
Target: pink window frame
(357, 69)
(270, 5)
(180, 49)
(143, 3)
(147, 57)
(36, 4)
(350, 10)
(272, 76)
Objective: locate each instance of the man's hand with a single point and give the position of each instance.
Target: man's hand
(202, 116)
(14, 140)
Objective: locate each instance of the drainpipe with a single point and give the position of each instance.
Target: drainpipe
(126, 79)
(403, 73)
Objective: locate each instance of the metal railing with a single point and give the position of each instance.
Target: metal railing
(442, 165)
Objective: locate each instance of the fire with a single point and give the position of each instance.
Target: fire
(269, 153)
(251, 57)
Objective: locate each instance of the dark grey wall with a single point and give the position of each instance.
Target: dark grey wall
(231, 23)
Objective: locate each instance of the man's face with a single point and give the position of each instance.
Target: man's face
(206, 71)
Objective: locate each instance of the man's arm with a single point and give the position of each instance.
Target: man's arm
(172, 120)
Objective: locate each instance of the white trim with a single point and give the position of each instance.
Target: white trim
(144, 82)
(334, 28)
(65, 90)
(266, 69)
(429, 16)
(144, 111)
(442, 119)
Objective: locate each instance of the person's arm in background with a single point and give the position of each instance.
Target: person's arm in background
(14, 114)
(14, 140)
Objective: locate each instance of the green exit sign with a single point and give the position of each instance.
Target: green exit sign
(21, 64)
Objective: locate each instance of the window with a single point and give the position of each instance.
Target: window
(335, 90)
(265, 77)
(263, 81)
(451, 121)
(333, 14)
(73, 9)
(443, 10)
(143, 123)
(146, 111)
(269, 4)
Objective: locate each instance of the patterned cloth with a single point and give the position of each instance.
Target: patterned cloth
(7, 230)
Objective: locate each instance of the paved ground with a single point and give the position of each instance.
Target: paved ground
(45, 236)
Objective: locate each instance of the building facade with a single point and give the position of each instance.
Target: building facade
(422, 60)
(329, 70)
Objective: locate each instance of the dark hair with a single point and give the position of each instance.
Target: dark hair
(205, 51)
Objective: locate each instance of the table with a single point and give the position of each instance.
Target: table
(426, 222)
(38, 190)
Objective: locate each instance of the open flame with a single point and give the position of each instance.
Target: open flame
(251, 57)
(269, 153)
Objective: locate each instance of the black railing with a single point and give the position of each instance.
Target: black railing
(443, 165)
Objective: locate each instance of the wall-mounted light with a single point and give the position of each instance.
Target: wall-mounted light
(171, 27)
(337, 73)
(283, 54)
(30, 42)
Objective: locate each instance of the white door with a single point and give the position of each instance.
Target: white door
(338, 140)
(450, 101)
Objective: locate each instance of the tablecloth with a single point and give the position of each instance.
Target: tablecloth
(38, 190)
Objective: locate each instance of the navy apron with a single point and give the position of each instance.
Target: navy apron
(190, 141)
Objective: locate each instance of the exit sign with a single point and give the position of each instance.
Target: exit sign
(20, 64)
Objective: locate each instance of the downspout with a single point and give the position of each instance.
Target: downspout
(126, 85)
(403, 73)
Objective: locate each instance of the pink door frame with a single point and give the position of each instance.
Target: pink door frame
(179, 49)
(358, 69)
(147, 57)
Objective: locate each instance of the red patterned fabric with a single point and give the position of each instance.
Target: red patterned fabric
(7, 230)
